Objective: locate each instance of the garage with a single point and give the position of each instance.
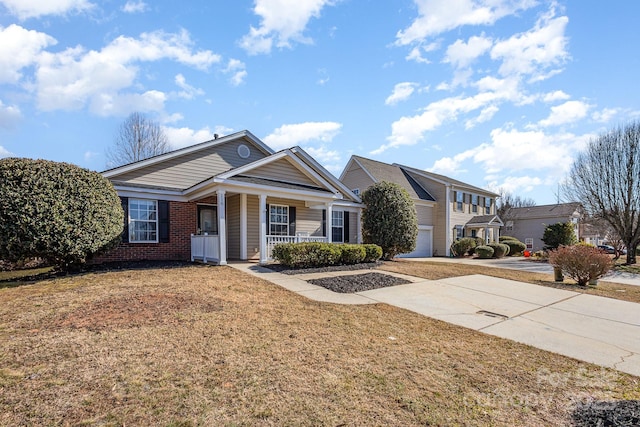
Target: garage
(423, 244)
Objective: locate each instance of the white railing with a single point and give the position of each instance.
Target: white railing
(274, 240)
(205, 247)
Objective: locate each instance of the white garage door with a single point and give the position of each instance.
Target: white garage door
(423, 246)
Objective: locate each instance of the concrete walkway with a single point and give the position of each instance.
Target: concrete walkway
(595, 329)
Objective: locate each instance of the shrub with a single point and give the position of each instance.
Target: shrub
(352, 254)
(516, 247)
(56, 211)
(499, 249)
(389, 219)
(463, 246)
(484, 251)
(374, 253)
(561, 233)
(503, 238)
(582, 263)
(317, 254)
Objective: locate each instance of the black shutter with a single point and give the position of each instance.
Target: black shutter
(346, 226)
(124, 202)
(268, 220)
(292, 220)
(163, 221)
(324, 222)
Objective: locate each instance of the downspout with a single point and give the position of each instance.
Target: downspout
(447, 220)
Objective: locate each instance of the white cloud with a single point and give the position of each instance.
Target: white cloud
(90, 155)
(238, 72)
(183, 137)
(296, 134)
(462, 54)
(188, 91)
(401, 92)
(4, 152)
(20, 48)
(569, 112)
(134, 7)
(451, 165)
(24, 9)
(557, 95)
(10, 115)
(485, 115)
(70, 79)
(282, 21)
(329, 159)
(519, 185)
(438, 16)
(120, 104)
(605, 115)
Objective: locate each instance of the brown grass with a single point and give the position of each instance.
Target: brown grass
(434, 270)
(211, 346)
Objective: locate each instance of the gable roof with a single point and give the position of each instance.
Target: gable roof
(484, 220)
(559, 210)
(446, 180)
(380, 171)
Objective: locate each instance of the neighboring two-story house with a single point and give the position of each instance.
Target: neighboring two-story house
(527, 224)
(447, 209)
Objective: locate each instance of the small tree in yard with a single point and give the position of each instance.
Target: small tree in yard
(583, 263)
(561, 233)
(389, 219)
(56, 211)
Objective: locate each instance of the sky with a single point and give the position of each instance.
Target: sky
(501, 94)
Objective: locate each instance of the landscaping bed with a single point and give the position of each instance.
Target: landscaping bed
(280, 268)
(358, 282)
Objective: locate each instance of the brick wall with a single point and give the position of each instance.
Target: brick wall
(183, 222)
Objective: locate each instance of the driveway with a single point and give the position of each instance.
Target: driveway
(594, 329)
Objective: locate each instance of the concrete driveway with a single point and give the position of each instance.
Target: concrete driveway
(594, 329)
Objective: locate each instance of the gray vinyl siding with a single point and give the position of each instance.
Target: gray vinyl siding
(190, 169)
(282, 170)
(253, 227)
(233, 227)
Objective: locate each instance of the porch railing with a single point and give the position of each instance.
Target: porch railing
(274, 240)
(205, 248)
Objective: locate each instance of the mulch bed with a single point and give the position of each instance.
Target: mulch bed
(358, 282)
(607, 413)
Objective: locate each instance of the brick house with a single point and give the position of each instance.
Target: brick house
(229, 198)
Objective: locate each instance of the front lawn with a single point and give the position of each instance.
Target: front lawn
(200, 345)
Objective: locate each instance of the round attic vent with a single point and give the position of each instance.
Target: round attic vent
(243, 151)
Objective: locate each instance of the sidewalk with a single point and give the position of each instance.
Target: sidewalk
(594, 329)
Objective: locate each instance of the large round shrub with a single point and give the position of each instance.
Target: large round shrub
(56, 211)
(516, 247)
(583, 263)
(463, 246)
(484, 251)
(499, 249)
(389, 219)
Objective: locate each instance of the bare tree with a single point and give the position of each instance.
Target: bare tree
(605, 178)
(138, 138)
(506, 201)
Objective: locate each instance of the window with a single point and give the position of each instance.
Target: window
(529, 243)
(278, 220)
(207, 219)
(459, 200)
(337, 226)
(143, 220)
(459, 232)
(509, 226)
(474, 203)
(487, 205)
(356, 191)
(474, 233)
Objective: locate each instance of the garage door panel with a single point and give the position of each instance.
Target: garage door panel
(423, 246)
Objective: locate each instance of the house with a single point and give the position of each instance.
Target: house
(229, 198)
(527, 224)
(447, 209)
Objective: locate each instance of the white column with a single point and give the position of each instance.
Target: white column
(447, 221)
(243, 227)
(329, 221)
(222, 226)
(359, 226)
(263, 228)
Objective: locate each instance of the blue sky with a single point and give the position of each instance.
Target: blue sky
(496, 93)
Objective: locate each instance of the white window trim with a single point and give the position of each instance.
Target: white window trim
(131, 222)
(459, 204)
(474, 205)
(333, 225)
(271, 223)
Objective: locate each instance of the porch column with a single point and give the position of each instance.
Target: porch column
(222, 226)
(329, 222)
(486, 235)
(263, 228)
(243, 227)
(359, 226)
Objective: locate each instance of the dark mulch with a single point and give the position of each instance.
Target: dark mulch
(621, 413)
(358, 282)
(351, 267)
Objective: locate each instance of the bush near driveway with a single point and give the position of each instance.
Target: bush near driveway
(316, 254)
(463, 246)
(582, 263)
(516, 247)
(484, 251)
(499, 249)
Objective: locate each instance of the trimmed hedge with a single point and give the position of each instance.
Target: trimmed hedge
(463, 246)
(484, 251)
(503, 238)
(499, 249)
(516, 247)
(317, 254)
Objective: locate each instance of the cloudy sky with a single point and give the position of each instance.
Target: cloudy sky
(496, 93)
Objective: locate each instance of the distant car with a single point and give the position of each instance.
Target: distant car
(607, 249)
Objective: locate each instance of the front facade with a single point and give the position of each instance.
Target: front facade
(229, 198)
(447, 209)
(527, 224)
